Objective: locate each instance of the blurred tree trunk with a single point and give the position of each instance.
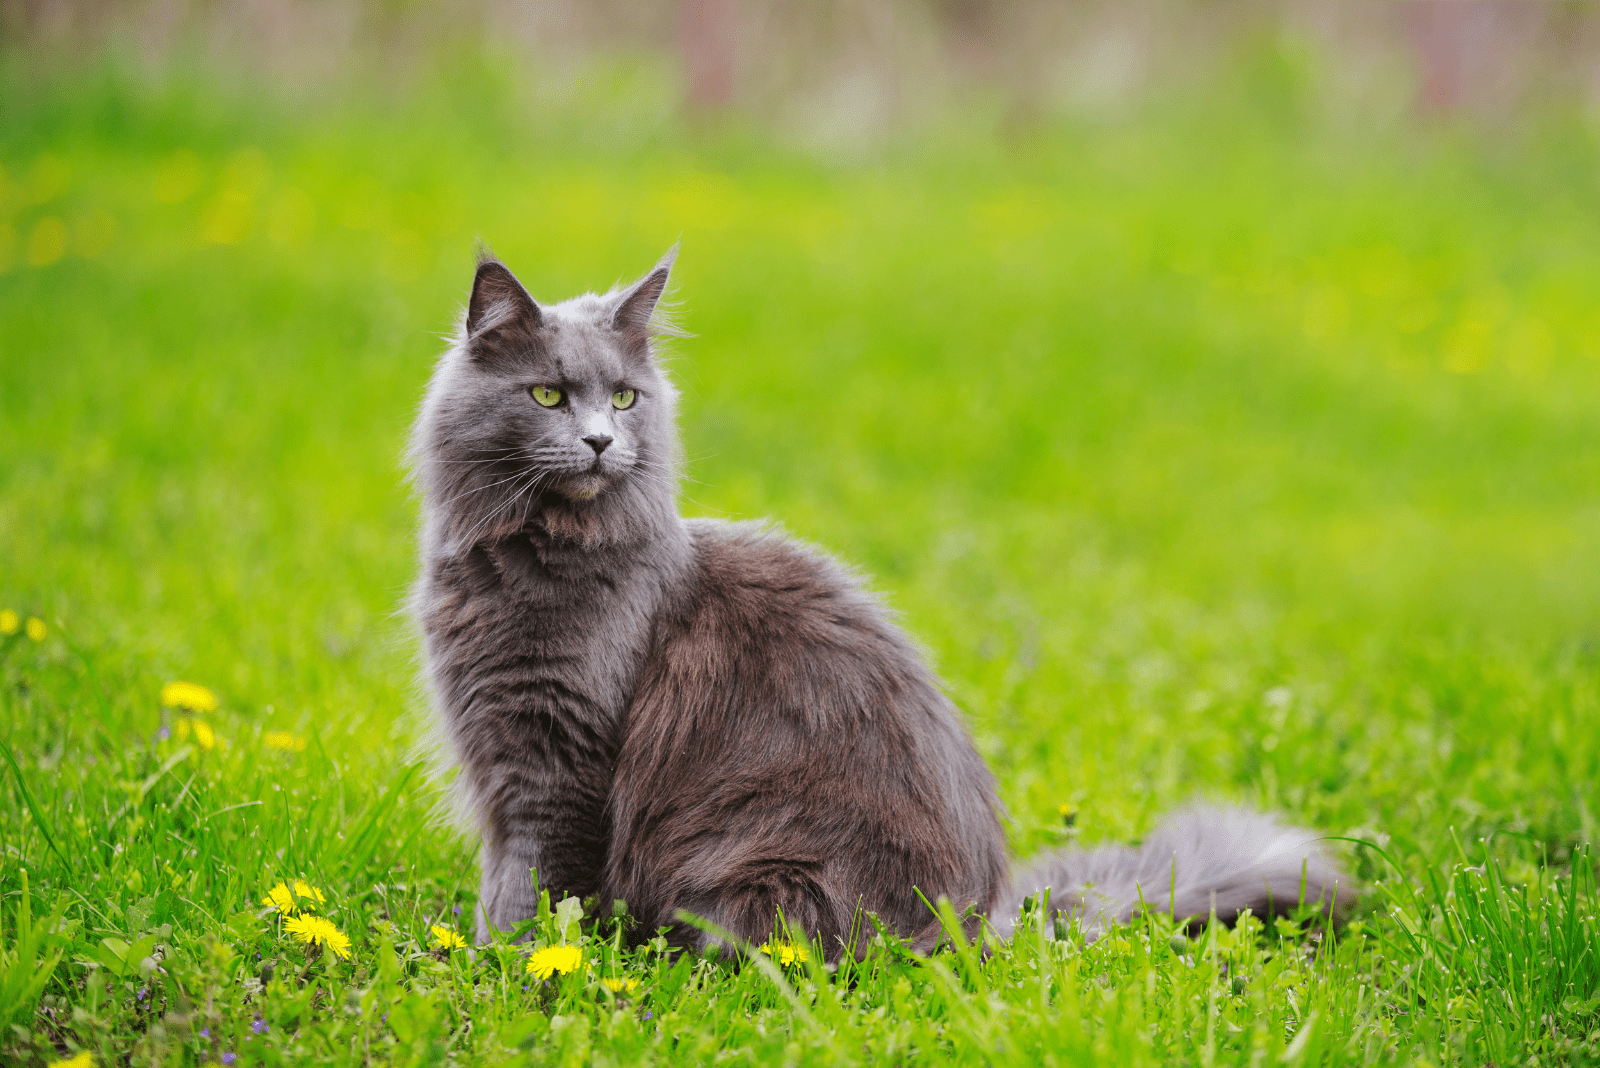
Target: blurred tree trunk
(1466, 52)
(708, 38)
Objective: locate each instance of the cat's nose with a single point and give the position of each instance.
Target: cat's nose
(598, 442)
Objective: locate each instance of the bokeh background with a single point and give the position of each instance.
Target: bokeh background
(1211, 387)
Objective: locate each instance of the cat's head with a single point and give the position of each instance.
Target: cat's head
(556, 415)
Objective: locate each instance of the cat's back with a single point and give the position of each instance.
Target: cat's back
(787, 747)
(769, 602)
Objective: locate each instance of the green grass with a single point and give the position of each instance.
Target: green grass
(1210, 454)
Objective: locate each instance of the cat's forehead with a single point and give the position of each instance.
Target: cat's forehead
(579, 340)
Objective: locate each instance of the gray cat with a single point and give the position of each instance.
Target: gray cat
(710, 716)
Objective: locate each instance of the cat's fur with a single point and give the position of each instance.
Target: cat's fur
(710, 716)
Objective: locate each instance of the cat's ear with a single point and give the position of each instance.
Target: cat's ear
(498, 300)
(638, 303)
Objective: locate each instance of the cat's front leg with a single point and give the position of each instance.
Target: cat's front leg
(543, 827)
(507, 894)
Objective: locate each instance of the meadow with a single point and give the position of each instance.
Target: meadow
(1221, 451)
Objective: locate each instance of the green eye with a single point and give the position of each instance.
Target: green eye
(622, 398)
(546, 396)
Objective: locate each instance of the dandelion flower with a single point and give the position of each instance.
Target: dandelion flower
(287, 901)
(280, 898)
(620, 986)
(204, 735)
(8, 625)
(444, 938)
(786, 953)
(292, 743)
(553, 959)
(314, 930)
(82, 1060)
(35, 628)
(306, 892)
(189, 695)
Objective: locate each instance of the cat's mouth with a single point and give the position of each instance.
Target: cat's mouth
(586, 482)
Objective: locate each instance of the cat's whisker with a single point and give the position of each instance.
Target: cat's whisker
(674, 470)
(651, 466)
(470, 538)
(532, 494)
(498, 450)
(655, 480)
(512, 497)
(480, 489)
(493, 460)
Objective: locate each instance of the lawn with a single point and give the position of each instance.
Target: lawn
(1218, 452)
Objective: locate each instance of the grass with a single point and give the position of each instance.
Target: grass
(1212, 453)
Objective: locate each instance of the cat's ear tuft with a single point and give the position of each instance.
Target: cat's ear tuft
(638, 303)
(498, 299)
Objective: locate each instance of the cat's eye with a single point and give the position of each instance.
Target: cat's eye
(622, 398)
(546, 396)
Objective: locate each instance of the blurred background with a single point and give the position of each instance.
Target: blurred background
(841, 75)
(1212, 386)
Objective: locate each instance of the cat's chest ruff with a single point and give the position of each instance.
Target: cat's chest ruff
(533, 571)
(503, 612)
(566, 604)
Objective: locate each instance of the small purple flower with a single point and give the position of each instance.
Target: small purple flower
(260, 1026)
(140, 995)
(458, 910)
(163, 733)
(205, 1032)
(648, 1015)
(229, 1057)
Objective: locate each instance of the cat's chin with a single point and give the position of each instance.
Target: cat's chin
(584, 487)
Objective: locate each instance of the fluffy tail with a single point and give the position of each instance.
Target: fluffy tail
(1198, 859)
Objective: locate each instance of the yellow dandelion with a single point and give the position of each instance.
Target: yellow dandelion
(339, 943)
(314, 930)
(35, 628)
(82, 1060)
(189, 695)
(292, 743)
(553, 959)
(620, 986)
(305, 892)
(9, 622)
(786, 953)
(303, 896)
(444, 938)
(204, 735)
(280, 898)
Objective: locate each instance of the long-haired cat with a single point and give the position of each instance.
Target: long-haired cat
(710, 716)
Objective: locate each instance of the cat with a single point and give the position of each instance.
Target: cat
(708, 716)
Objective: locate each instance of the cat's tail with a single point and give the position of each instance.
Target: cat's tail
(1197, 861)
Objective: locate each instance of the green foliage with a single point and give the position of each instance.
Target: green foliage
(1514, 962)
(28, 958)
(1213, 453)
